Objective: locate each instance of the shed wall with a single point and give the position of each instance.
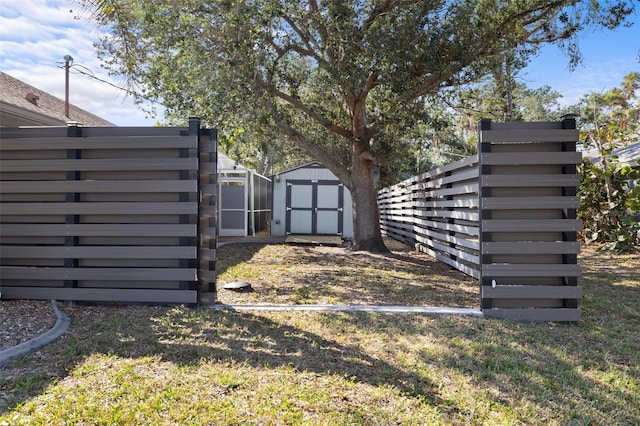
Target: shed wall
(311, 172)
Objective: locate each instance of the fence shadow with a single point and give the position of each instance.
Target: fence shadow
(187, 337)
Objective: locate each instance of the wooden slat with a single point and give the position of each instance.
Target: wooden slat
(93, 186)
(532, 292)
(538, 314)
(530, 270)
(467, 188)
(98, 230)
(535, 136)
(529, 158)
(529, 203)
(531, 225)
(456, 165)
(102, 143)
(527, 126)
(103, 208)
(458, 177)
(531, 247)
(101, 294)
(530, 180)
(135, 132)
(454, 251)
(110, 164)
(427, 235)
(107, 274)
(471, 215)
(460, 203)
(98, 252)
(473, 231)
(34, 132)
(462, 267)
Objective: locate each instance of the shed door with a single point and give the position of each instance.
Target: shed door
(233, 207)
(315, 207)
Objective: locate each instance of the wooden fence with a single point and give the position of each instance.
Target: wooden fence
(108, 214)
(437, 212)
(506, 217)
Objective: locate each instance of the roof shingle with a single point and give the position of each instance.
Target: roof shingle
(38, 107)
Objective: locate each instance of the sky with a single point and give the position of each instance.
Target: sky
(35, 36)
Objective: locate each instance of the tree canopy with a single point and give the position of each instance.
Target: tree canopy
(347, 81)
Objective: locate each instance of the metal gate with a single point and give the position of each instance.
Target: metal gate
(315, 207)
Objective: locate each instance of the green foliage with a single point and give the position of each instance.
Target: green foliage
(610, 220)
(344, 81)
(331, 74)
(610, 189)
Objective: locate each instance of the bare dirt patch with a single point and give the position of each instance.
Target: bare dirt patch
(22, 320)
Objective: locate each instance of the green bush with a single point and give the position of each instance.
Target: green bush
(610, 217)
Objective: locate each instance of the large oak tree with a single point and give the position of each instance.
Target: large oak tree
(345, 80)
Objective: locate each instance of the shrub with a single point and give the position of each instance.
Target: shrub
(610, 205)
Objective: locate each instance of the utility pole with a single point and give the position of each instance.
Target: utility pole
(68, 60)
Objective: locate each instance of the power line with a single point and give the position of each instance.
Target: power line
(81, 69)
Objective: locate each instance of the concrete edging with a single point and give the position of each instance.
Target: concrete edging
(14, 353)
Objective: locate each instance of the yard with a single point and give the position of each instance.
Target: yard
(174, 365)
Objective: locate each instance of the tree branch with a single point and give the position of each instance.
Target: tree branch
(299, 32)
(322, 30)
(378, 10)
(298, 104)
(315, 151)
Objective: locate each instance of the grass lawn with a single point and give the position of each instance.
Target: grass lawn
(172, 365)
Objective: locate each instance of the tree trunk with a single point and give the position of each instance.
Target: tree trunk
(366, 216)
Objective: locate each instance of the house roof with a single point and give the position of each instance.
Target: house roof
(628, 155)
(24, 105)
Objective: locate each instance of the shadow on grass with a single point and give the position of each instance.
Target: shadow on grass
(188, 337)
(571, 374)
(549, 373)
(234, 254)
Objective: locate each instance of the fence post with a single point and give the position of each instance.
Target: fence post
(571, 214)
(73, 131)
(483, 237)
(207, 211)
(528, 220)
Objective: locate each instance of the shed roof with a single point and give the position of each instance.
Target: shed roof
(310, 165)
(24, 105)
(226, 163)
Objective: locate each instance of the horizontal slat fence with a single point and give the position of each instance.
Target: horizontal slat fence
(510, 221)
(437, 212)
(107, 214)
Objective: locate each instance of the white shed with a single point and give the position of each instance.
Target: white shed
(310, 200)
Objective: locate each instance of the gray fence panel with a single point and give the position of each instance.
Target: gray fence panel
(437, 212)
(506, 216)
(109, 214)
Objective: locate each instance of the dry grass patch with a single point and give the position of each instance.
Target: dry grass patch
(294, 274)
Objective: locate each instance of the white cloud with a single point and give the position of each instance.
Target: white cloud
(34, 38)
(596, 77)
